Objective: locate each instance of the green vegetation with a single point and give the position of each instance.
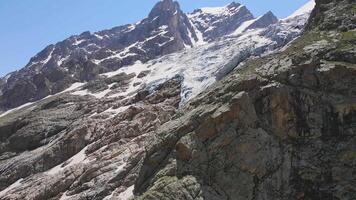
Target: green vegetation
(347, 40)
(349, 35)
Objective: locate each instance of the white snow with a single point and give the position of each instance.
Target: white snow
(198, 66)
(307, 8)
(74, 86)
(101, 94)
(65, 197)
(220, 10)
(11, 187)
(17, 108)
(244, 26)
(199, 35)
(60, 61)
(78, 42)
(76, 159)
(130, 28)
(49, 57)
(98, 36)
(213, 10)
(120, 168)
(273, 84)
(7, 77)
(127, 194)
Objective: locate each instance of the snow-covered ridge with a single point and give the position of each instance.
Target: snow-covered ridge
(306, 8)
(225, 10)
(199, 65)
(244, 26)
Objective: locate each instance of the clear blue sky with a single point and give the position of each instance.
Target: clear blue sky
(27, 26)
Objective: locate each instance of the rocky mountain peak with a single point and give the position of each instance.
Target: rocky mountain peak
(164, 8)
(234, 4)
(264, 21)
(167, 13)
(267, 130)
(214, 22)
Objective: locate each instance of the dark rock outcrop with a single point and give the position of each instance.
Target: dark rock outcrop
(280, 127)
(79, 146)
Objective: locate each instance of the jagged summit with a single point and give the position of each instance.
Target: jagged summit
(214, 22)
(264, 21)
(165, 7)
(102, 137)
(167, 13)
(167, 29)
(234, 4)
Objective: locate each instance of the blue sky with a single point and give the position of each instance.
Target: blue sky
(27, 26)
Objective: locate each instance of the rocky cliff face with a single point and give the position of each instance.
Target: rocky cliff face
(217, 22)
(280, 127)
(84, 57)
(279, 124)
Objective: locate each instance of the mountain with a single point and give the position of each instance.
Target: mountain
(278, 127)
(219, 21)
(84, 57)
(263, 110)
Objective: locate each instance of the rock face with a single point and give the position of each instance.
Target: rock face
(217, 22)
(45, 154)
(280, 127)
(166, 30)
(264, 21)
(330, 16)
(82, 58)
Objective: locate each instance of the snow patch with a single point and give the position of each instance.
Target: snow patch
(80, 157)
(73, 87)
(17, 108)
(120, 168)
(225, 11)
(6, 78)
(78, 42)
(244, 26)
(307, 8)
(127, 194)
(98, 36)
(60, 61)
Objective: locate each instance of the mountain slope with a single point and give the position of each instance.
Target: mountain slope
(278, 127)
(88, 141)
(219, 21)
(84, 57)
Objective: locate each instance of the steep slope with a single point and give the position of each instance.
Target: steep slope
(82, 58)
(278, 127)
(219, 21)
(87, 141)
(167, 29)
